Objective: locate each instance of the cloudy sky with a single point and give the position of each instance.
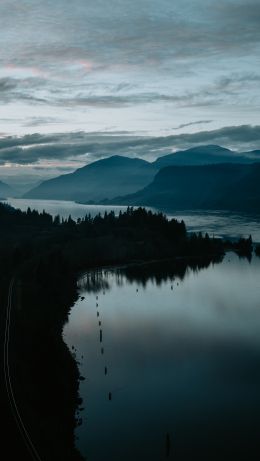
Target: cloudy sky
(83, 79)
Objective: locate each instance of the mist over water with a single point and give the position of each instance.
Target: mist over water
(62, 207)
(180, 357)
(219, 223)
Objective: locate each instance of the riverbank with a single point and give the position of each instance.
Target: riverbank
(44, 374)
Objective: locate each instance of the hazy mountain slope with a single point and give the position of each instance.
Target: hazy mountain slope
(119, 176)
(206, 155)
(5, 190)
(97, 181)
(223, 186)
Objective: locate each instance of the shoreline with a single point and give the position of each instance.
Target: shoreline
(65, 388)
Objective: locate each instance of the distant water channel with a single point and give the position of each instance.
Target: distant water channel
(218, 223)
(62, 207)
(171, 359)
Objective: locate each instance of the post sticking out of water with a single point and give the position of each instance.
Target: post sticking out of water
(100, 336)
(109, 396)
(105, 370)
(97, 314)
(167, 445)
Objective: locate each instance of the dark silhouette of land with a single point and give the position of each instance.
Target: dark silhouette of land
(102, 180)
(44, 256)
(206, 155)
(98, 181)
(209, 187)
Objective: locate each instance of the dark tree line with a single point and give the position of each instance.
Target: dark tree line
(136, 234)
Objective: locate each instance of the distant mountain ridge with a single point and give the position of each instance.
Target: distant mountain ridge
(102, 180)
(97, 181)
(206, 155)
(219, 187)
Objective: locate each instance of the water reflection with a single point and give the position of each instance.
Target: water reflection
(94, 282)
(157, 272)
(178, 369)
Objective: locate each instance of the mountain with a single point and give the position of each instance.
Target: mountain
(115, 176)
(206, 155)
(98, 181)
(221, 186)
(5, 190)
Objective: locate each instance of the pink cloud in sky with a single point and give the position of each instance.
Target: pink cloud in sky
(24, 71)
(87, 65)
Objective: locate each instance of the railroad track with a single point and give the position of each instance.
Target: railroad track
(8, 382)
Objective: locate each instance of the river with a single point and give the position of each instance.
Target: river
(218, 223)
(171, 361)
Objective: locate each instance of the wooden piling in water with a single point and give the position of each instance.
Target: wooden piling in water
(167, 445)
(100, 336)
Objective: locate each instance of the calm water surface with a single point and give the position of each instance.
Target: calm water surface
(221, 223)
(62, 207)
(181, 356)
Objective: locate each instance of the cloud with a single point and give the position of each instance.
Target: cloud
(195, 56)
(7, 84)
(199, 122)
(39, 121)
(32, 155)
(142, 33)
(124, 94)
(231, 136)
(87, 147)
(138, 32)
(27, 140)
(22, 89)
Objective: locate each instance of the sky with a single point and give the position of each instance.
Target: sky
(83, 79)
